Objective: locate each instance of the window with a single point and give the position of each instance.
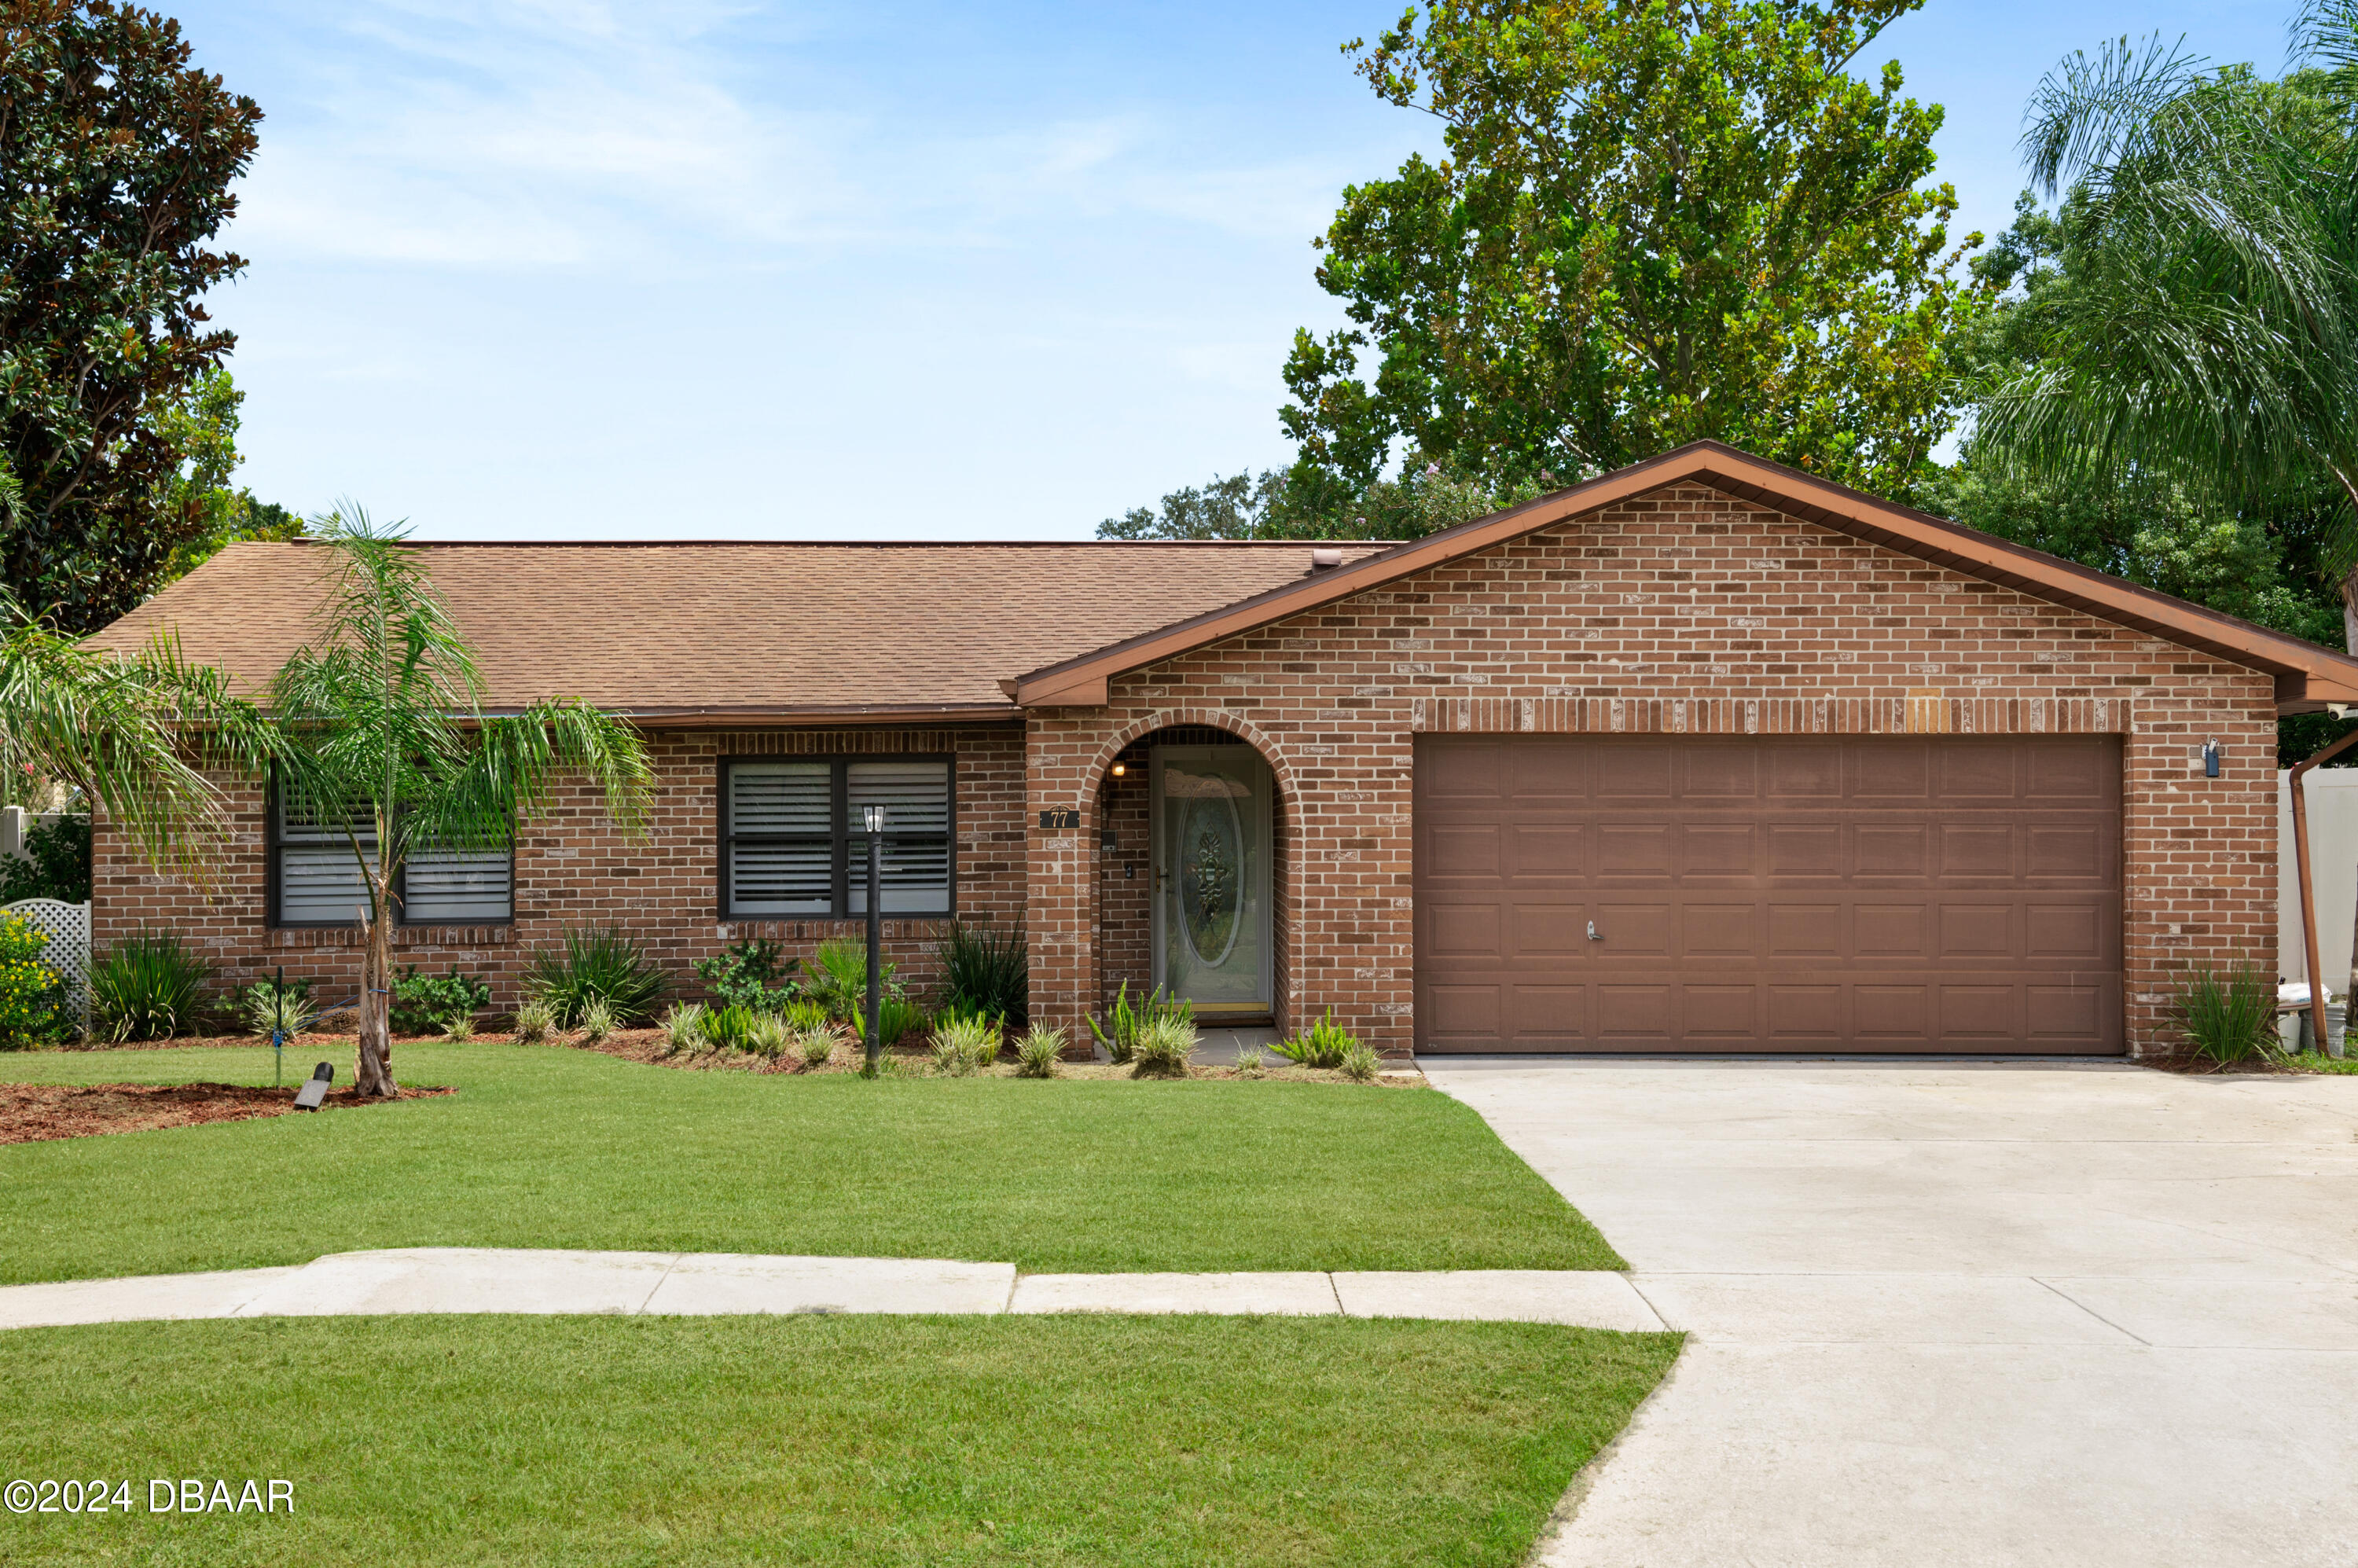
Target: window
(789, 848)
(314, 881)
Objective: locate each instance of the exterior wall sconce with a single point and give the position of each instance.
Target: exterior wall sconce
(1120, 769)
(2210, 754)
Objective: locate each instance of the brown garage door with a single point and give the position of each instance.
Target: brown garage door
(1954, 893)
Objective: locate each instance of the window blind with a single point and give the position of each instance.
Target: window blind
(792, 844)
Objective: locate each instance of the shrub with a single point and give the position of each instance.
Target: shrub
(534, 1021)
(56, 863)
(964, 1044)
(751, 974)
(895, 1016)
(815, 1045)
(34, 1005)
(1322, 1044)
(729, 1027)
(424, 1004)
(1250, 1062)
(149, 987)
(598, 965)
(1038, 1054)
(2230, 1018)
(1165, 1044)
(838, 979)
(460, 1029)
(986, 972)
(769, 1036)
(1358, 1061)
(598, 1020)
(683, 1028)
(805, 1015)
(1120, 1036)
(270, 1008)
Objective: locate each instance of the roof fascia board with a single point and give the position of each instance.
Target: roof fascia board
(2307, 676)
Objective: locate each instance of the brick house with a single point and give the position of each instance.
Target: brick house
(1706, 754)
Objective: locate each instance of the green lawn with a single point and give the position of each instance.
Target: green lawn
(550, 1147)
(852, 1440)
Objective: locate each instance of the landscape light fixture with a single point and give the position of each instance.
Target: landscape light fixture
(315, 1089)
(872, 818)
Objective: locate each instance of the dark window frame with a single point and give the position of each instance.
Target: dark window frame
(840, 835)
(272, 864)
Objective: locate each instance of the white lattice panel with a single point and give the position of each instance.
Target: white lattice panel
(69, 928)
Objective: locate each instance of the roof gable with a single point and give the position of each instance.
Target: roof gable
(2307, 676)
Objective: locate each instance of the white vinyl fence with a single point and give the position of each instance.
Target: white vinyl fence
(69, 949)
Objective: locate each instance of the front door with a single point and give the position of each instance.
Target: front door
(1211, 808)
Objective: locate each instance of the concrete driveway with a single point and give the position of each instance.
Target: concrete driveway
(1964, 1314)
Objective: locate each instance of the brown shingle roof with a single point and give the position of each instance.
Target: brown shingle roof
(743, 628)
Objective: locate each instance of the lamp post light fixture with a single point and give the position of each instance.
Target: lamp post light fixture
(872, 819)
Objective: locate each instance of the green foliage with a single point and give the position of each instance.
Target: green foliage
(596, 965)
(34, 1005)
(426, 1004)
(1165, 1044)
(1654, 223)
(895, 1016)
(731, 1028)
(1127, 1021)
(1322, 1044)
(149, 987)
(1249, 1061)
(2229, 1018)
(1358, 1061)
(534, 1021)
(1039, 1053)
(684, 1028)
(201, 425)
(804, 1014)
(2199, 322)
(751, 974)
(56, 863)
(816, 1043)
(598, 1020)
(838, 979)
(1424, 498)
(119, 156)
(987, 971)
(459, 1029)
(964, 1046)
(271, 1008)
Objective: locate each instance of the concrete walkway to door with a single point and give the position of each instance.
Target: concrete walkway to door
(2068, 1313)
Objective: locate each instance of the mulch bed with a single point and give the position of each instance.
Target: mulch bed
(33, 1113)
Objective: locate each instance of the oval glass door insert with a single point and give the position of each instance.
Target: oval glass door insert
(1211, 881)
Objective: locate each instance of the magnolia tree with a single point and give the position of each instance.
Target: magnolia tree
(379, 728)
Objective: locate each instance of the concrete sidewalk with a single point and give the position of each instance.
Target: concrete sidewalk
(484, 1280)
(1940, 1312)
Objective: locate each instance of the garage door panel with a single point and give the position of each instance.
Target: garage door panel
(1843, 894)
(1716, 849)
(1976, 849)
(1633, 849)
(1890, 849)
(1805, 930)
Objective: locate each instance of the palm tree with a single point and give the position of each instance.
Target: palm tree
(127, 731)
(380, 727)
(2209, 334)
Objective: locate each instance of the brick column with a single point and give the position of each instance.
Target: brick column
(1060, 891)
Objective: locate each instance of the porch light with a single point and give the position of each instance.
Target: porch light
(1120, 769)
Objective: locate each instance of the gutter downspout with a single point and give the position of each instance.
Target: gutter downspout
(2308, 894)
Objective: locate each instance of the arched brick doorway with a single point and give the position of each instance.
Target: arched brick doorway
(1128, 861)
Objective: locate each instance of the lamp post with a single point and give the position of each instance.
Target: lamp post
(873, 817)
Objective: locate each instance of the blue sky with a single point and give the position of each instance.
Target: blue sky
(555, 268)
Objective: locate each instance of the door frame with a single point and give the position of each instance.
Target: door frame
(1260, 849)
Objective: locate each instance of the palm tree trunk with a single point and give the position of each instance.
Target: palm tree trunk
(373, 1075)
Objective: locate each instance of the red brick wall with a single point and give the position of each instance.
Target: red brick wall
(1683, 610)
(573, 869)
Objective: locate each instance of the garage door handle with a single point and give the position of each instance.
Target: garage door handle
(1594, 934)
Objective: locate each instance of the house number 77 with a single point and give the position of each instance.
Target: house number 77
(1060, 821)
